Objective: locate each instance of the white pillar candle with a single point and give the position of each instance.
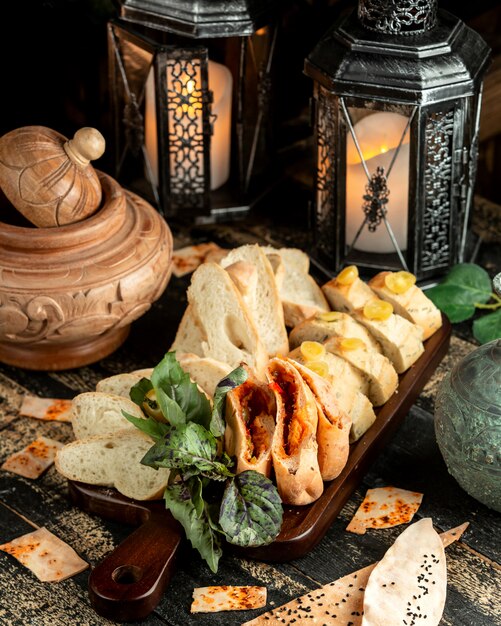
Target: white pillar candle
(181, 161)
(378, 136)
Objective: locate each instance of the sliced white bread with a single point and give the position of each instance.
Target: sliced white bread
(354, 403)
(376, 368)
(204, 371)
(260, 294)
(400, 340)
(323, 326)
(224, 326)
(347, 298)
(113, 460)
(294, 449)
(119, 384)
(301, 296)
(190, 334)
(98, 413)
(413, 304)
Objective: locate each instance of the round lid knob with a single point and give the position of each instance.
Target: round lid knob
(48, 178)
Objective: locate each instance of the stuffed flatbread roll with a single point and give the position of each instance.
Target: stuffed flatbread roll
(333, 429)
(294, 447)
(250, 422)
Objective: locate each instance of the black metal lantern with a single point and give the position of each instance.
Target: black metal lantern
(397, 92)
(190, 84)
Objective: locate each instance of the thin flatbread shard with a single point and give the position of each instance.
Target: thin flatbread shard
(227, 598)
(339, 603)
(187, 259)
(33, 460)
(385, 507)
(408, 586)
(44, 554)
(47, 409)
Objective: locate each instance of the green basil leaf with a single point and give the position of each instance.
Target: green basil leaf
(139, 391)
(184, 501)
(234, 379)
(170, 408)
(488, 327)
(156, 430)
(169, 376)
(453, 301)
(251, 510)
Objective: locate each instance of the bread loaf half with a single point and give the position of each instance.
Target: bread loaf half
(294, 448)
(113, 460)
(98, 413)
(413, 304)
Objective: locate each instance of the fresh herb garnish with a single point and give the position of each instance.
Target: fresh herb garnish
(203, 494)
(466, 288)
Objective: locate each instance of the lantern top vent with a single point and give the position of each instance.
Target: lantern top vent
(398, 18)
(199, 19)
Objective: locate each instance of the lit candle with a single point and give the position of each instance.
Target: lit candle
(185, 121)
(378, 136)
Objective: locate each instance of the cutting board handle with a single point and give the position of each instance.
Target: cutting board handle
(128, 584)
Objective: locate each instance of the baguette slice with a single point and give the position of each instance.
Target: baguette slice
(347, 298)
(294, 447)
(323, 326)
(260, 294)
(354, 403)
(250, 422)
(113, 460)
(301, 296)
(400, 339)
(204, 371)
(223, 324)
(333, 425)
(377, 369)
(119, 384)
(413, 305)
(190, 334)
(98, 413)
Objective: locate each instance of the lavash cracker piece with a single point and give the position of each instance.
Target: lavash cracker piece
(385, 507)
(47, 556)
(187, 259)
(227, 598)
(47, 409)
(409, 584)
(339, 603)
(33, 460)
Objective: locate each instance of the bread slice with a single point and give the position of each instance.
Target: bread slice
(294, 447)
(98, 413)
(338, 324)
(376, 368)
(413, 305)
(204, 371)
(222, 323)
(190, 334)
(354, 403)
(333, 425)
(113, 460)
(400, 340)
(347, 298)
(119, 384)
(260, 294)
(301, 296)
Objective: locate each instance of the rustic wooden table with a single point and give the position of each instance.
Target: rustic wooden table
(411, 461)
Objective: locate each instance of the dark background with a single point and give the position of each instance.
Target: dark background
(54, 70)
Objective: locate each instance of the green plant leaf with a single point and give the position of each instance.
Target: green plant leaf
(234, 379)
(170, 408)
(488, 327)
(156, 430)
(251, 510)
(464, 286)
(185, 502)
(139, 390)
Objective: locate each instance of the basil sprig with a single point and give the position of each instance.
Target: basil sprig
(204, 494)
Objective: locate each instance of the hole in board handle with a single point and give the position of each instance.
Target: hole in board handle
(127, 574)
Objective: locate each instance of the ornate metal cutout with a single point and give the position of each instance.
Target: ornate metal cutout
(376, 199)
(436, 248)
(327, 123)
(405, 17)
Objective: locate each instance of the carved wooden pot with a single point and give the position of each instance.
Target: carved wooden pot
(69, 294)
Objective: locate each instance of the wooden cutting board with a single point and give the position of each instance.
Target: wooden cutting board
(128, 584)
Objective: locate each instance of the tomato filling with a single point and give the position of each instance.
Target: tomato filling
(293, 424)
(257, 408)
